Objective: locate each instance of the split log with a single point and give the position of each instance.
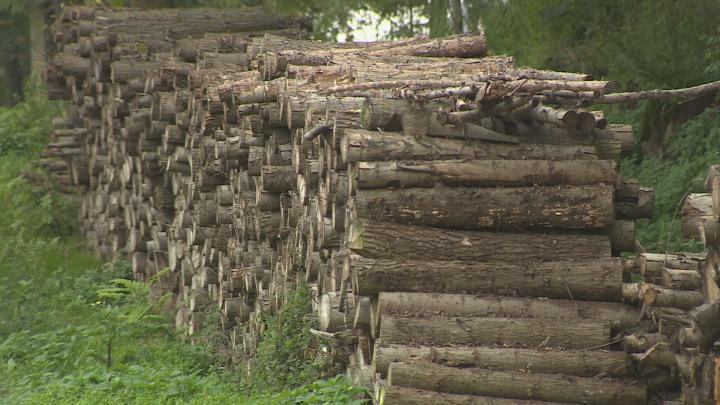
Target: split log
(485, 173)
(387, 240)
(598, 279)
(547, 387)
(477, 331)
(580, 207)
(652, 265)
(582, 363)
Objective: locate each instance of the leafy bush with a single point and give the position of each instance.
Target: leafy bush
(286, 354)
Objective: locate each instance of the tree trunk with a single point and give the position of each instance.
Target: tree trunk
(581, 207)
(382, 240)
(437, 330)
(581, 363)
(599, 279)
(482, 173)
(518, 385)
(361, 145)
(615, 314)
(394, 395)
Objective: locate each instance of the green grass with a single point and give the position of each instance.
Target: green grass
(74, 331)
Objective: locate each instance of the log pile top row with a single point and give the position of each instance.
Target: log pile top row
(461, 236)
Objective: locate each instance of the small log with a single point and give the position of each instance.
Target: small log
(651, 295)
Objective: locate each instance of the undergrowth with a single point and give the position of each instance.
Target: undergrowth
(690, 152)
(73, 331)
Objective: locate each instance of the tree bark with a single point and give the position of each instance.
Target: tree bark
(518, 385)
(581, 363)
(598, 280)
(360, 145)
(525, 332)
(581, 207)
(382, 240)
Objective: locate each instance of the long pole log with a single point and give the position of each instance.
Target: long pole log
(579, 207)
(394, 395)
(547, 387)
(582, 363)
(615, 314)
(598, 280)
(360, 145)
(435, 330)
(508, 173)
(387, 240)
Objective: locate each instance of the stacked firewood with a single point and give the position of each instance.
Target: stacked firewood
(458, 219)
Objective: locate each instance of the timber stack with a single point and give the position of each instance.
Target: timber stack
(458, 219)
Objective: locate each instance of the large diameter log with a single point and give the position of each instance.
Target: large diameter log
(615, 314)
(598, 279)
(359, 145)
(582, 363)
(546, 387)
(395, 395)
(436, 330)
(578, 207)
(388, 240)
(510, 173)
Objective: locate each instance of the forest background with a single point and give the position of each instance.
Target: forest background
(75, 331)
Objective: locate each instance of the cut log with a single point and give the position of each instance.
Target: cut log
(278, 179)
(681, 279)
(580, 207)
(394, 395)
(388, 240)
(403, 303)
(599, 279)
(359, 145)
(436, 330)
(652, 265)
(694, 208)
(582, 363)
(509, 173)
(547, 387)
(661, 297)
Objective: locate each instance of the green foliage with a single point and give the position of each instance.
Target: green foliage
(649, 43)
(287, 351)
(690, 152)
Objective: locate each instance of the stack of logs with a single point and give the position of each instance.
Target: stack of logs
(461, 235)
